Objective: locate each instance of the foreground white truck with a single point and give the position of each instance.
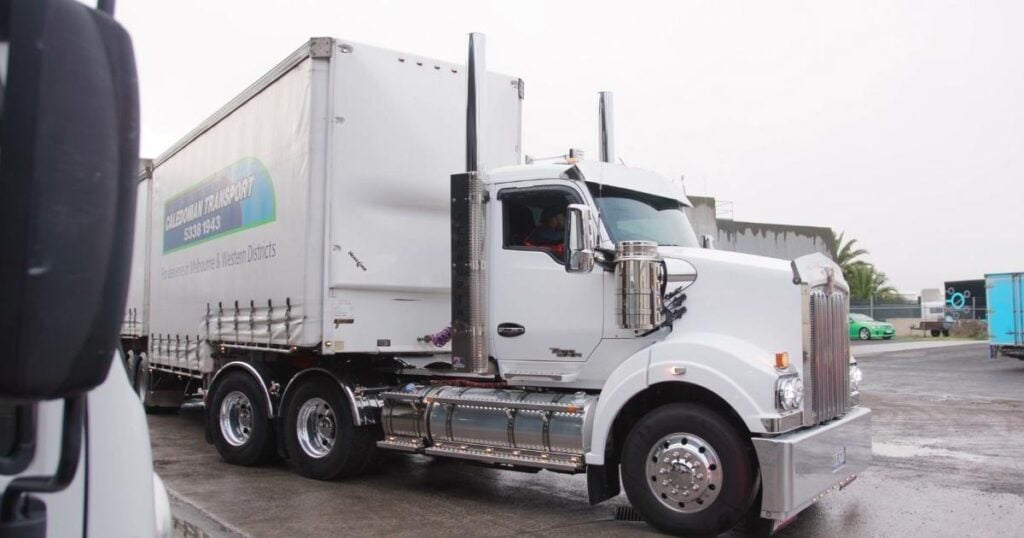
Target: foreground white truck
(304, 256)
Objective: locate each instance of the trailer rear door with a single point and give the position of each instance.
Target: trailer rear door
(1006, 309)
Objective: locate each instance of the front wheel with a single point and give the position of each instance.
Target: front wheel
(688, 471)
(865, 334)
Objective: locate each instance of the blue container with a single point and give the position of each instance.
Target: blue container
(1005, 293)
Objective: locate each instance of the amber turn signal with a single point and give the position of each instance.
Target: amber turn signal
(782, 360)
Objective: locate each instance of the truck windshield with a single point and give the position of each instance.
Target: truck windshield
(635, 216)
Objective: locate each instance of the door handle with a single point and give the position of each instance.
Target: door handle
(510, 329)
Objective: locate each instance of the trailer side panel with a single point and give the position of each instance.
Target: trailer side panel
(230, 220)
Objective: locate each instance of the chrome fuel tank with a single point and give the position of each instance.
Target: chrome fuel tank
(518, 427)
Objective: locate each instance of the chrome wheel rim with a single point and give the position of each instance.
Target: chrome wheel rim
(684, 473)
(864, 334)
(236, 418)
(316, 427)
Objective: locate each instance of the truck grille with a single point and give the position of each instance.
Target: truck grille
(827, 357)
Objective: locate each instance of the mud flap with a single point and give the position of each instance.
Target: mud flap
(602, 482)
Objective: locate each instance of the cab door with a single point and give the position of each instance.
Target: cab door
(538, 311)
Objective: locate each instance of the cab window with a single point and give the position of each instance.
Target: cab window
(534, 219)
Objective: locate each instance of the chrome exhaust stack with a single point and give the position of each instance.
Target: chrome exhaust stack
(606, 127)
(469, 307)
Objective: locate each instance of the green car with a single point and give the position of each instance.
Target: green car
(865, 328)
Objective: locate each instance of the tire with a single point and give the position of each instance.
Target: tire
(935, 333)
(707, 452)
(239, 423)
(945, 332)
(753, 525)
(320, 435)
(864, 334)
(141, 380)
(129, 365)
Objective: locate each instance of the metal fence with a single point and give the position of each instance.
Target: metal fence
(886, 310)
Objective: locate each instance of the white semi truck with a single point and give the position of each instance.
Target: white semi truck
(349, 257)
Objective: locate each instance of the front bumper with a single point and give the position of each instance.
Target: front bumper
(799, 468)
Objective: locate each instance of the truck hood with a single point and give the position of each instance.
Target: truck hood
(700, 256)
(754, 299)
(812, 269)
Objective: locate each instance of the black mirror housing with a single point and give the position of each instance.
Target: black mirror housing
(69, 142)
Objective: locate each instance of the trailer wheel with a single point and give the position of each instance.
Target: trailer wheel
(142, 382)
(320, 435)
(945, 332)
(935, 333)
(239, 422)
(688, 471)
(130, 358)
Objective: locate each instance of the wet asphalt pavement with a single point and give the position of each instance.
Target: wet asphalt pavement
(949, 461)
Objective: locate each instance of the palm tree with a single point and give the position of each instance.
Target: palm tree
(846, 254)
(867, 282)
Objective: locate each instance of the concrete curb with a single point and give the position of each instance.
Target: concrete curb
(194, 521)
(875, 349)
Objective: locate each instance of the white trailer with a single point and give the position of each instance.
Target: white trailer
(311, 249)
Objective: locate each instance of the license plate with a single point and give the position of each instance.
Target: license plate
(839, 458)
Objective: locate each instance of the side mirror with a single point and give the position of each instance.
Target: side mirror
(706, 241)
(69, 144)
(580, 238)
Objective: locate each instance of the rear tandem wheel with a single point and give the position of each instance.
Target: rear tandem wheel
(320, 435)
(238, 420)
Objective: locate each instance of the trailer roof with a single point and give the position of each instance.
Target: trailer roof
(316, 47)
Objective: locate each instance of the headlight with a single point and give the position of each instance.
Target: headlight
(789, 393)
(856, 376)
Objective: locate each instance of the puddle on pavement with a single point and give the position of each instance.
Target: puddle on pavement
(893, 450)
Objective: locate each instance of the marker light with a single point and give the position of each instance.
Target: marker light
(782, 360)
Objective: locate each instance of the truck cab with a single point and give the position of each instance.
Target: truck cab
(577, 315)
(563, 324)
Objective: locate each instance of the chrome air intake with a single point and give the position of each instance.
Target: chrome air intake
(504, 426)
(639, 273)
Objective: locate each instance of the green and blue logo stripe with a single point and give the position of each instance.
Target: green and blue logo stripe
(236, 198)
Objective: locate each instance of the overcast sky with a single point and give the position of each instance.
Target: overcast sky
(901, 123)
